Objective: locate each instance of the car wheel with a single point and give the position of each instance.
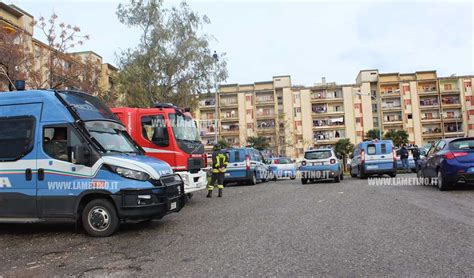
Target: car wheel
(99, 218)
(304, 181)
(342, 176)
(392, 175)
(442, 184)
(337, 179)
(253, 179)
(421, 178)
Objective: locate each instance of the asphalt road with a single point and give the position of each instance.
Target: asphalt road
(279, 228)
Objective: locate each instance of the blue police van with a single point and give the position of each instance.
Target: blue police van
(374, 157)
(64, 155)
(246, 165)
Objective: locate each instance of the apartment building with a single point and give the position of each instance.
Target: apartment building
(295, 118)
(15, 20)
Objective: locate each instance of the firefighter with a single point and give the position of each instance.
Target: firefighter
(219, 164)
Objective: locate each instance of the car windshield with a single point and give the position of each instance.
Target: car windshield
(184, 128)
(282, 161)
(465, 144)
(111, 136)
(318, 154)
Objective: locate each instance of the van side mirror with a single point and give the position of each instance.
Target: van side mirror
(80, 155)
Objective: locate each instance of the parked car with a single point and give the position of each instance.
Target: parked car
(321, 164)
(448, 162)
(246, 165)
(375, 157)
(283, 167)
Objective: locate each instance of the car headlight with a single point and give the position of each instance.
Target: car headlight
(130, 174)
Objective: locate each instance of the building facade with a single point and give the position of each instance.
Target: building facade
(295, 118)
(14, 20)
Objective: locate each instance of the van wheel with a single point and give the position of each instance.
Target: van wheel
(253, 180)
(442, 185)
(392, 175)
(99, 218)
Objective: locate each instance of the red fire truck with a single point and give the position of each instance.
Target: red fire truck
(169, 133)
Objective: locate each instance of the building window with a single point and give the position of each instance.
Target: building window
(447, 87)
(357, 106)
(297, 96)
(409, 116)
(406, 88)
(249, 98)
(407, 101)
(297, 123)
(467, 84)
(358, 120)
(250, 112)
(250, 126)
(297, 110)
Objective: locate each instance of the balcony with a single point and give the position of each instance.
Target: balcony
(450, 92)
(232, 129)
(430, 119)
(431, 131)
(323, 110)
(450, 102)
(264, 100)
(429, 103)
(266, 115)
(390, 94)
(325, 97)
(229, 116)
(391, 122)
(335, 123)
(453, 128)
(207, 104)
(429, 90)
(328, 137)
(386, 106)
(453, 119)
(229, 102)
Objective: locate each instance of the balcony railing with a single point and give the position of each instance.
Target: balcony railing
(429, 103)
(229, 102)
(432, 131)
(391, 106)
(448, 101)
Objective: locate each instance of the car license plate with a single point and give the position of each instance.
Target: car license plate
(227, 174)
(370, 167)
(173, 205)
(318, 163)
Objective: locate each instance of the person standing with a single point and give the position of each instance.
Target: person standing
(416, 156)
(219, 165)
(404, 157)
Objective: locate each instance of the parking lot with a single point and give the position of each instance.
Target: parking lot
(278, 228)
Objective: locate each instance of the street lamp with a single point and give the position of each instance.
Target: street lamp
(216, 129)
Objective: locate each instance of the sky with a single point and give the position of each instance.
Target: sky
(305, 39)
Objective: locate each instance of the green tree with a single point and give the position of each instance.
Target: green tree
(373, 134)
(173, 61)
(258, 142)
(224, 144)
(399, 137)
(343, 148)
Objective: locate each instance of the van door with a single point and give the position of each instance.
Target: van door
(18, 133)
(60, 181)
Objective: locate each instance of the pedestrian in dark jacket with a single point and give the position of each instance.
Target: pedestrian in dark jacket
(416, 155)
(404, 157)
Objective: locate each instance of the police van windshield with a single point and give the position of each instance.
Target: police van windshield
(87, 106)
(184, 128)
(111, 136)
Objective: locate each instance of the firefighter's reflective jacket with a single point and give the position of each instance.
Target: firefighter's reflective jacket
(219, 161)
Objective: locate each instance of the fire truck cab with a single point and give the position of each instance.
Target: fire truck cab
(170, 134)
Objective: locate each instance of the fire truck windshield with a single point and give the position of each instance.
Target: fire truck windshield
(184, 128)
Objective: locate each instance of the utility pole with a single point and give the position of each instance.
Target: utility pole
(216, 88)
